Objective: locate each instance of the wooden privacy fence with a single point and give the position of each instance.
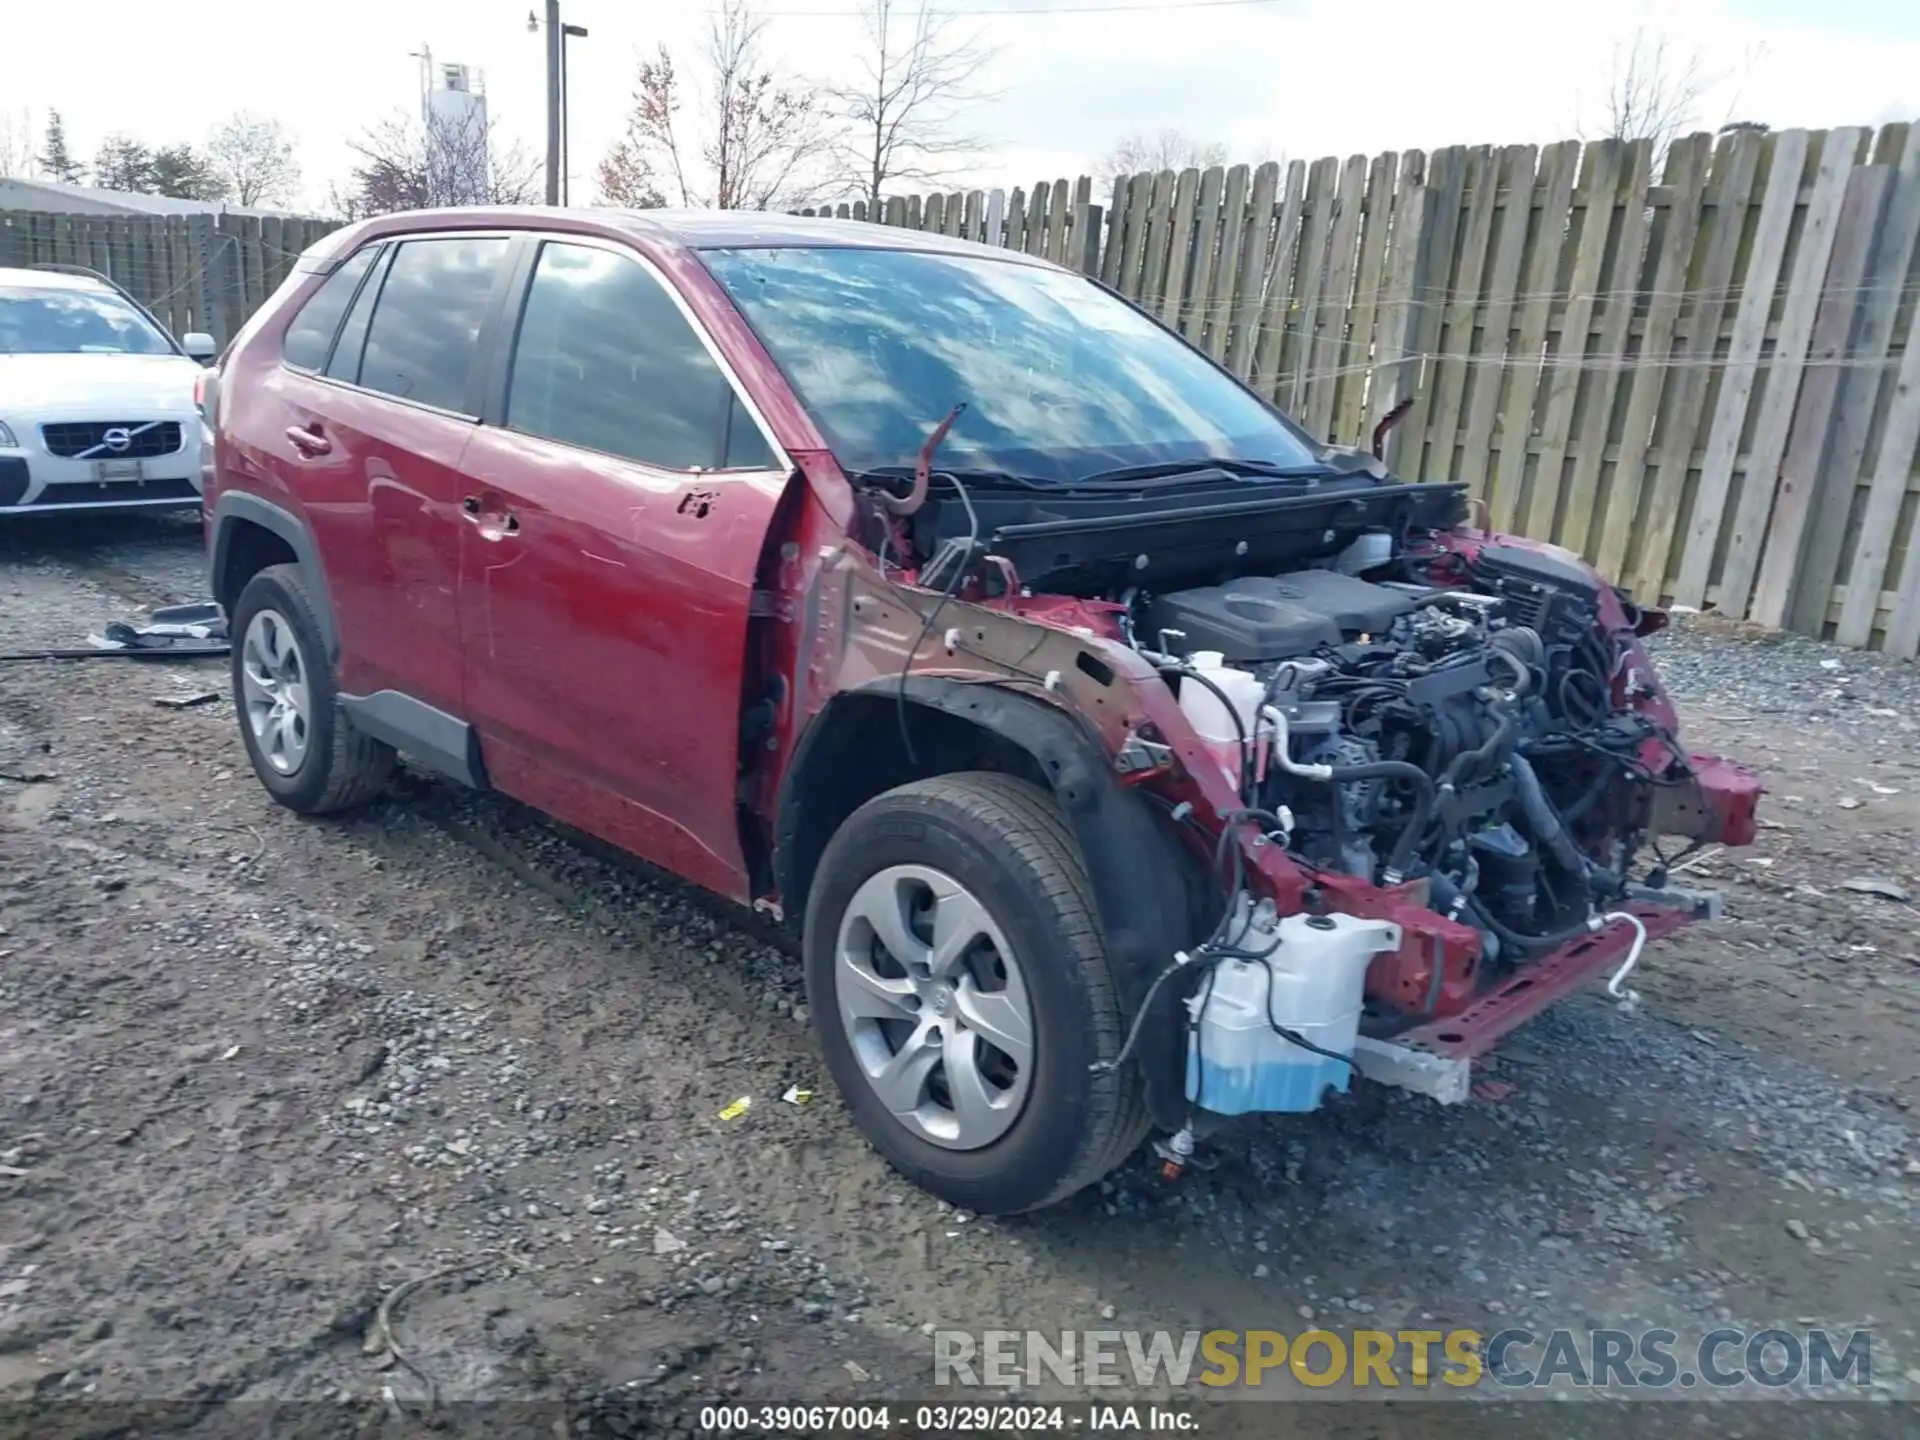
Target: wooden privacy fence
(1706, 381)
(195, 272)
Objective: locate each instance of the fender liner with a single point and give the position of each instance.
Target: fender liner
(1148, 888)
(235, 505)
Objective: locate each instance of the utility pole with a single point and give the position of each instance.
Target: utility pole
(567, 32)
(554, 142)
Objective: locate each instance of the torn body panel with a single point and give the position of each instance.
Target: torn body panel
(1097, 717)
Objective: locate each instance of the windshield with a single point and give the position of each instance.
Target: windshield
(74, 322)
(1061, 379)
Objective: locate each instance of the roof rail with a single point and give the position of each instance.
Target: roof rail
(63, 268)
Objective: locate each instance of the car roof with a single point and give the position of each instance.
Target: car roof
(678, 230)
(731, 229)
(50, 280)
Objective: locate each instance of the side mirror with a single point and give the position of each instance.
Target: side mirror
(199, 346)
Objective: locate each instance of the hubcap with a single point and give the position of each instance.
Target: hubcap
(935, 1006)
(273, 682)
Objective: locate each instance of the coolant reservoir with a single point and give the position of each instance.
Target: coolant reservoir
(1215, 721)
(1311, 983)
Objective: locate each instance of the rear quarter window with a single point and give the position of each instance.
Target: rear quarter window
(310, 336)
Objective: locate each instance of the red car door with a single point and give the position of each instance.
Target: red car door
(612, 527)
(376, 441)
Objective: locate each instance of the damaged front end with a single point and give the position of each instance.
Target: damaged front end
(1358, 788)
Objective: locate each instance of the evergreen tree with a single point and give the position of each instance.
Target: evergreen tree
(184, 173)
(55, 162)
(123, 164)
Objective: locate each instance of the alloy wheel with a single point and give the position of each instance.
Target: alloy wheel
(273, 682)
(935, 1006)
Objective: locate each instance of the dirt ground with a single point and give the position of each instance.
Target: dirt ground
(256, 1072)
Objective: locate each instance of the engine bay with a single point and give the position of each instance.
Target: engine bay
(1462, 719)
(1399, 706)
(1425, 769)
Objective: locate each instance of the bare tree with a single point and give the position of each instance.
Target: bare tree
(1165, 150)
(254, 157)
(627, 178)
(750, 142)
(17, 159)
(1654, 90)
(918, 72)
(630, 174)
(406, 164)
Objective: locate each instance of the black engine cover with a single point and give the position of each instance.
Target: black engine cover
(1259, 618)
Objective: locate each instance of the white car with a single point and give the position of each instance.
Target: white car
(97, 407)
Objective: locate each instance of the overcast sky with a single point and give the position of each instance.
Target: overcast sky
(1302, 78)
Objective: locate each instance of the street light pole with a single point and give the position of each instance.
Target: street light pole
(567, 32)
(554, 41)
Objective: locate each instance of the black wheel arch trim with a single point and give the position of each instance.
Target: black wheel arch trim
(238, 505)
(1148, 888)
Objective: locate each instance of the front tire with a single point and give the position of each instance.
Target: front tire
(304, 749)
(962, 993)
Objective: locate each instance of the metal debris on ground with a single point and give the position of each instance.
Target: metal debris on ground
(796, 1096)
(171, 632)
(1693, 860)
(1877, 885)
(186, 702)
(737, 1108)
(380, 1341)
(172, 627)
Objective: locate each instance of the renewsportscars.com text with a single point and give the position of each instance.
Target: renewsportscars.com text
(1459, 1359)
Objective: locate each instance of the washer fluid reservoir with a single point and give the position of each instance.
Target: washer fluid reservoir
(1310, 980)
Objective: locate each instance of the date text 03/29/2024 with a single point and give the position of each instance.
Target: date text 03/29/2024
(960, 1419)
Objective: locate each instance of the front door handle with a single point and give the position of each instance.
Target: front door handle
(492, 524)
(309, 440)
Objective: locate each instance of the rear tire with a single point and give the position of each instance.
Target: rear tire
(996, 852)
(304, 749)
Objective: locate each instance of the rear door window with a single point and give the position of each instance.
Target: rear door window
(310, 336)
(426, 324)
(606, 360)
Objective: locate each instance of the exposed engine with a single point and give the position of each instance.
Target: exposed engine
(1410, 733)
(1460, 721)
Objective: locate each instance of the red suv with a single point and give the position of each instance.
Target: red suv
(1125, 757)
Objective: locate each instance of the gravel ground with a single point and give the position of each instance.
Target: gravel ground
(255, 1072)
(1736, 674)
